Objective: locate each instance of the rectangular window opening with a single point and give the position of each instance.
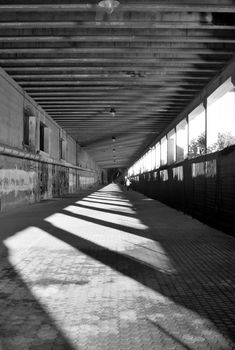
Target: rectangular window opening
(42, 137)
(29, 136)
(182, 140)
(197, 132)
(221, 118)
(164, 151)
(26, 130)
(44, 140)
(158, 155)
(62, 147)
(171, 154)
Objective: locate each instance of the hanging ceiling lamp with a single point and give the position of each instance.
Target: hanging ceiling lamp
(109, 5)
(112, 111)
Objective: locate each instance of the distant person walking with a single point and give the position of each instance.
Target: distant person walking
(128, 184)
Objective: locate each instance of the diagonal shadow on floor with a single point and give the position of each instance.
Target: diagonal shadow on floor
(104, 210)
(102, 202)
(187, 287)
(202, 281)
(25, 323)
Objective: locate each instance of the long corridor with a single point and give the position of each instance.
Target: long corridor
(113, 269)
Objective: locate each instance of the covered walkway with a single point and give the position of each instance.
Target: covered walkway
(113, 269)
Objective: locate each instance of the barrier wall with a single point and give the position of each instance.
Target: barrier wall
(203, 187)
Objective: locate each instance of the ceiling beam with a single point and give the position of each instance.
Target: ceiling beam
(118, 75)
(124, 70)
(112, 62)
(117, 83)
(46, 22)
(75, 31)
(140, 38)
(149, 6)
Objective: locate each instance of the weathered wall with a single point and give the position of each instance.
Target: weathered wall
(84, 160)
(203, 186)
(18, 181)
(11, 102)
(71, 151)
(25, 180)
(26, 173)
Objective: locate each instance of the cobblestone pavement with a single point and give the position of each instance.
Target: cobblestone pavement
(113, 270)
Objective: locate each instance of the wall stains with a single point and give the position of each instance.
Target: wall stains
(16, 180)
(43, 179)
(25, 181)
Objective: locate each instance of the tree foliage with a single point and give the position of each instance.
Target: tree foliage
(197, 146)
(224, 140)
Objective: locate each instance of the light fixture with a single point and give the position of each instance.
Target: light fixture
(109, 5)
(112, 111)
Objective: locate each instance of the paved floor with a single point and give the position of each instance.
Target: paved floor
(113, 270)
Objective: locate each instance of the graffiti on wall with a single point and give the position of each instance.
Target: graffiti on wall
(16, 180)
(24, 181)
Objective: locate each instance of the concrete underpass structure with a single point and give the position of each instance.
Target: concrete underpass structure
(37, 168)
(93, 93)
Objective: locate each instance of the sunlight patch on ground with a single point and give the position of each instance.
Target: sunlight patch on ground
(92, 286)
(21, 242)
(115, 219)
(98, 294)
(25, 238)
(109, 201)
(32, 237)
(93, 303)
(136, 247)
(114, 198)
(107, 206)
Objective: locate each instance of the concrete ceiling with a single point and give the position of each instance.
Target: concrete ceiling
(146, 61)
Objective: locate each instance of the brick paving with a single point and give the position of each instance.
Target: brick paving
(113, 269)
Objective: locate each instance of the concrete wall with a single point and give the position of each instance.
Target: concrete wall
(28, 174)
(11, 113)
(83, 159)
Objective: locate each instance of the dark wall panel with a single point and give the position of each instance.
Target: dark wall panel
(203, 187)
